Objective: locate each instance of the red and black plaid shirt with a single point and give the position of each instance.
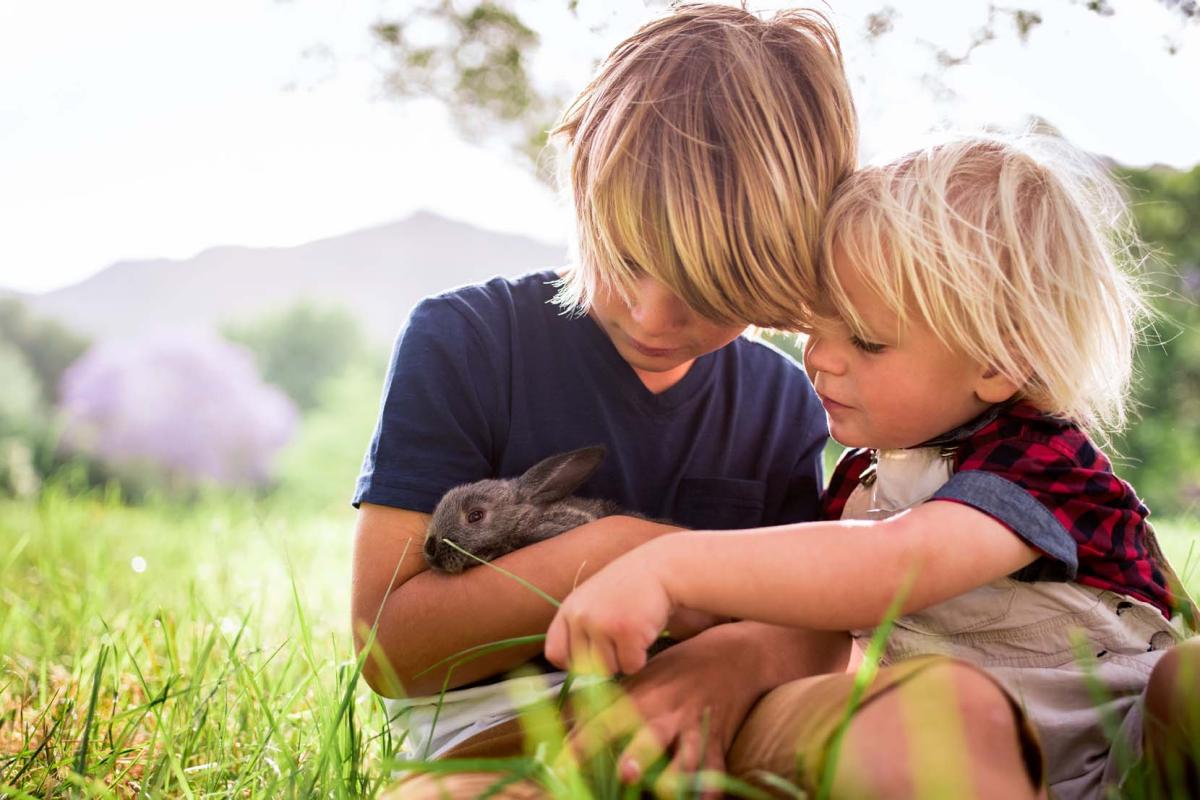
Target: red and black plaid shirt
(1056, 463)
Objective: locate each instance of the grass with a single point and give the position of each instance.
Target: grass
(180, 651)
(201, 651)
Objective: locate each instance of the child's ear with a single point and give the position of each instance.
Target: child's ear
(992, 386)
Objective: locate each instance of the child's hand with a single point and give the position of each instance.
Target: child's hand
(611, 619)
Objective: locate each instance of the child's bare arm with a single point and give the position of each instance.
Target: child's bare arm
(843, 575)
(828, 576)
(425, 617)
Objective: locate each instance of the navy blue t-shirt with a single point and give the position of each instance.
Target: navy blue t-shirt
(487, 380)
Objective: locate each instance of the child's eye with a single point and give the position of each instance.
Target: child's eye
(867, 347)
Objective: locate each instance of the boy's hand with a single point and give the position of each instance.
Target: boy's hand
(688, 702)
(610, 621)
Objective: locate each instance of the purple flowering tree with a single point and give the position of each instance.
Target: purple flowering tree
(186, 409)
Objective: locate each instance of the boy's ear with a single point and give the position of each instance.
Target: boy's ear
(992, 386)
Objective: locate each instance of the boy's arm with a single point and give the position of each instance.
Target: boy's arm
(826, 575)
(425, 617)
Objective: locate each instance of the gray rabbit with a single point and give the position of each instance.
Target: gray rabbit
(489, 518)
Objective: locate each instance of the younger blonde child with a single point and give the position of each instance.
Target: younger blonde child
(972, 324)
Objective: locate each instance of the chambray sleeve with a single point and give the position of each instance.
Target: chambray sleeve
(1032, 488)
(439, 417)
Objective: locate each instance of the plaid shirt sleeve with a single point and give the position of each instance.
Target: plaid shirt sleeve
(842, 482)
(1046, 481)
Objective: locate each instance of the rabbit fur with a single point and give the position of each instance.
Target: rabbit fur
(490, 518)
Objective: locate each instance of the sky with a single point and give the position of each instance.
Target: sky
(143, 129)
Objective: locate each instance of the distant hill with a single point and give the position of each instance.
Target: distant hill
(378, 273)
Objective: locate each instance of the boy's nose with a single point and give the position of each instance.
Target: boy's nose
(656, 309)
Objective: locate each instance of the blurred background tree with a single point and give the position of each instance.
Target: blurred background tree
(477, 58)
(20, 390)
(1161, 450)
(34, 354)
(20, 418)
(47, 347)
(302, 349)
(175, 412)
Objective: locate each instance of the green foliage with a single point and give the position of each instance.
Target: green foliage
(34, 354)
(171, 651)
(478, 60)
(300, 350)
(477, 65)
(20, 390)
(23, 425)
(317, 471)
(47, 347)
(1160, 453)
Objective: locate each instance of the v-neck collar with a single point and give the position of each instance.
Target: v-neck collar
(686, 389)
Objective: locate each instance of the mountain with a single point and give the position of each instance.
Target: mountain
(377, 273)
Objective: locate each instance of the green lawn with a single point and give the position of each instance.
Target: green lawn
(196, 651)
(180, 651)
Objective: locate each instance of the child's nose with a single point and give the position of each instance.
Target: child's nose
(820, 356)
(656, 309)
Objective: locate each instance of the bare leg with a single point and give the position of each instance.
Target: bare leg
(931, 727)
(947, 732)
(1171, 732)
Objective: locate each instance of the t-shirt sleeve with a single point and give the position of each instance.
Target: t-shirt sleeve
(439, 413)
(1036, 490)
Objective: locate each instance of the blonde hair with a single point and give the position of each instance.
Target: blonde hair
(1014, 251)
(704, 154)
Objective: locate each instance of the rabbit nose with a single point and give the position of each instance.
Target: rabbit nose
(431, 547)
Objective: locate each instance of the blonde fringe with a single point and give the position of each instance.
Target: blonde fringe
(704, 154)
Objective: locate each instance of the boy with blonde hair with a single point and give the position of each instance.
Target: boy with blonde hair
(701, 159)
(974, 322)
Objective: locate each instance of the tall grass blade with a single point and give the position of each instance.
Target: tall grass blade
(862, 679)
(552, 601)
(81, 756)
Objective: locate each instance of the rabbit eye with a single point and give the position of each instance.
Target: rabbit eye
(475, 516)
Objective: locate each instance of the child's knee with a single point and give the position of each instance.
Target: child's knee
(983, 706)
(1172, 689)
(982, 700)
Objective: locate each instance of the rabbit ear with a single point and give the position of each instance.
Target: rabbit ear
(557, 476)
